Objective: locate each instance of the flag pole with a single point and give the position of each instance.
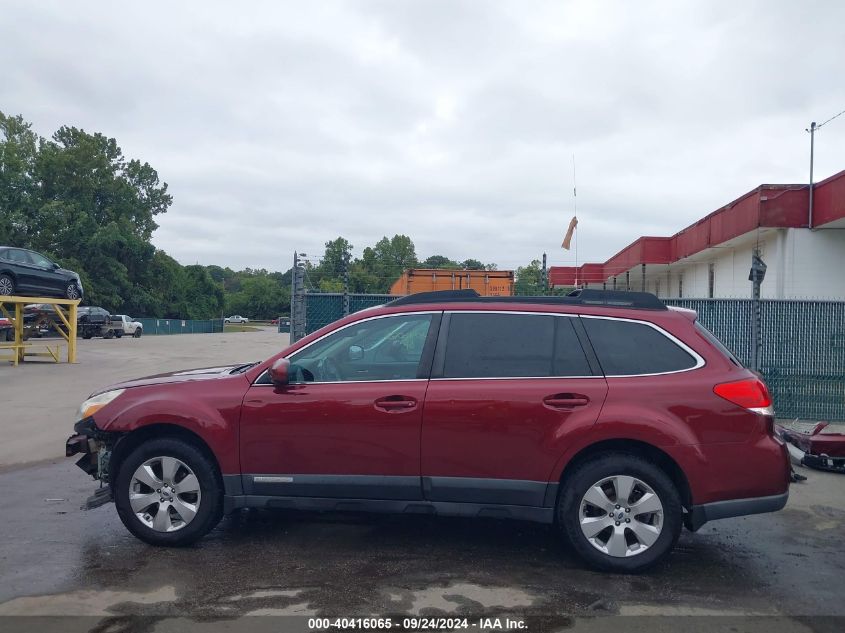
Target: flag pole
(575, 211)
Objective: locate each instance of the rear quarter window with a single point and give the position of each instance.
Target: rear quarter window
(627, 348)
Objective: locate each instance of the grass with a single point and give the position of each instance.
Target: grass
(240, 328)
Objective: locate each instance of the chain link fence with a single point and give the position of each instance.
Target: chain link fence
(802, 357)
(803, 343)
(179, 326)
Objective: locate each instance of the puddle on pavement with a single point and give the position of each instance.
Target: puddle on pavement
(457, 598)
(85, 602)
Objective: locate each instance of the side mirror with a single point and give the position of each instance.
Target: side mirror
(355, 352)
(280, 372)
(56, 266)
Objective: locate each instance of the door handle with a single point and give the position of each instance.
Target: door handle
(566, 400)
(395, 403)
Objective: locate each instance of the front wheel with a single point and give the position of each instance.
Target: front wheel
(620, 512)
(168, 492)
(138, 333)
(72, 291)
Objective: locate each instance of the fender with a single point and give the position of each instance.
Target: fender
(214, 418)
(621, 423)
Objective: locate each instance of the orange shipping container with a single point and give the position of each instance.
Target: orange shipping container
(488, 283)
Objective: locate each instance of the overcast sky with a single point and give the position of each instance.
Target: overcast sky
(279, 126)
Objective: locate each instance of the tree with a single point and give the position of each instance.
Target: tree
(18, 187)
(260, 297)
(439, 261)
(472, 264)
(328, 275)
(529, 279)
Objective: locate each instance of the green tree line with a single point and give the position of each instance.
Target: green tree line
(77, 199)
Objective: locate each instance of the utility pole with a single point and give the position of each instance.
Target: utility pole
(345, 283)
(544, 279)
(297, 301)
(756, 276)
(812, 132)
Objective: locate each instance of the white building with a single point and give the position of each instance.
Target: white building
(805, 256)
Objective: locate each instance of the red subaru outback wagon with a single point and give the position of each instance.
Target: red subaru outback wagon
(605, 413)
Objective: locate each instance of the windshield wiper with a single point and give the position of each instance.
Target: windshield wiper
(242, 368)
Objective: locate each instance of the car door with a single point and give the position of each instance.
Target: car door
(47, 278)
(508, 392)
(26, 273)
(348, 425)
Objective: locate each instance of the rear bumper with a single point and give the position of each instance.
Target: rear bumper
(701, 514)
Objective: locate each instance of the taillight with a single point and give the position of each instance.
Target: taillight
(749, 393)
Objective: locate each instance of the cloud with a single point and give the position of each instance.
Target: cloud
(281, 125)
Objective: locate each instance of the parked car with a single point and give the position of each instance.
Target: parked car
(7, 330)
(25, 272)
(237, 318)
(605, 413)
(127, 326)
(96, 321)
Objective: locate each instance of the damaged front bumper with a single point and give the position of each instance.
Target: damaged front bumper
(95, 447)
(90, 442)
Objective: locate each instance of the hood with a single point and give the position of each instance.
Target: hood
(185, 375)
(69, 273)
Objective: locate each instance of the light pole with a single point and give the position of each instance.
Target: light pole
(812, 130)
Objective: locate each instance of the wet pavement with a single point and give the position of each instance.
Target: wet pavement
(769, 572)
(56, 560)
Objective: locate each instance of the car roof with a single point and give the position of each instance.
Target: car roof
(613, 299)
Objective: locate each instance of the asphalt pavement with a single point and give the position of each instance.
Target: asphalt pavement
(65, 569)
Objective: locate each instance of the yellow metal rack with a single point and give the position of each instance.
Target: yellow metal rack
(21, 348)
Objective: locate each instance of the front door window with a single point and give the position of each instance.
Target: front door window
(386, 348)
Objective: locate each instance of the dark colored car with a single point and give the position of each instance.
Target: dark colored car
(25, 272)
(7, 330)
(607, 414)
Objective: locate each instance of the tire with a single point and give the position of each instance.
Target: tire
(208, 502)
(616, 471)
(109, 334)
(138, 332)
(7, 285)
(118, 333)
(86, 335)
(72, 291)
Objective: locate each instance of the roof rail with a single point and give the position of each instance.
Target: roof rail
(606, 298)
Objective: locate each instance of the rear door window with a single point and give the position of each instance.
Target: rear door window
(495, 345)
(628, 348)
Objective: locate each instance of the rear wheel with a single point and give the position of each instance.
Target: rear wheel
(167, 492)
(7, 285)
(620, 512)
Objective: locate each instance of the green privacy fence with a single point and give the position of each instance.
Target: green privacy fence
(803, 344)
(179, 326)
(803, 349)
(324, 308)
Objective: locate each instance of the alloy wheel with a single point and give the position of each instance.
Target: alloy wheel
(6, 286)
(621, 516)
(72, 292)
(164, 494)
